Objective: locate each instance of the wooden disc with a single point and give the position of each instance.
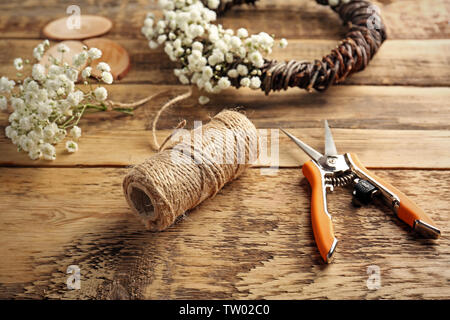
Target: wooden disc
(90, 26)
(113, 54)
(75, 48)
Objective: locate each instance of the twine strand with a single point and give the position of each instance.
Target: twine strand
(132, 105)
(156, 146)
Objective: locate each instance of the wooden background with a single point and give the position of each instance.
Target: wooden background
(254, 240)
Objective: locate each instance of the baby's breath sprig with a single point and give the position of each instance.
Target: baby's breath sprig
(47, 106)
(211, 57)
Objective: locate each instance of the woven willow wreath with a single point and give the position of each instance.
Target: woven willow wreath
(215, 58)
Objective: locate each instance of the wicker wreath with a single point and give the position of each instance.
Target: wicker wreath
(352, 54)
(363, 39)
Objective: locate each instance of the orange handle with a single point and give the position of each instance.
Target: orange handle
(408, 211)
(320, 219)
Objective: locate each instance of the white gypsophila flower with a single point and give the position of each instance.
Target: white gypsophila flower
(94, 53)
(207, 52)
(86, 73)
(49, 131)
(18, 64)
(104, 67)
(71, 74)
(100, 93)
(233, 73)
(6, 85)
(255, 83)
(55, 70)
(71, 146)
(245, 82)
(61, 91)
(183, 79)
(283, 43)
(62, 48)
(213, 4)
(18, 104)
(44, 111)
(107, 77)
(161, 39)
(242, 70)
(75, 132)
(195, 46)
(242, 33)
(74, 98)
(38, 52)
(35, 153)
(48, 151)
(47, 102)
(3, 103)
(256, 59)
(333, 3)
(80, 59)
(224, 83)
(38, 72)
(203, 100)
(153, 44)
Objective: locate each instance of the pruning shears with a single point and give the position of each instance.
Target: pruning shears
(327, 171)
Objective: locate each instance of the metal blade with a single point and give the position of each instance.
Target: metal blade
(330, 147)
(313, 154)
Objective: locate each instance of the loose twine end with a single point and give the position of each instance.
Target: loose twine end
(120, 106)
(156, 146)
(132, 105)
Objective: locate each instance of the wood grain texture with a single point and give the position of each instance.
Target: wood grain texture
(407, 19)
(398, 62)
(389, 138)
(348, 107)
(253, 240)
(376, 148)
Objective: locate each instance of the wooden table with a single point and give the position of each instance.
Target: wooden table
(254, 239)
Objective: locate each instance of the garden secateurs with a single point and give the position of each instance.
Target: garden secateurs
(325, 172)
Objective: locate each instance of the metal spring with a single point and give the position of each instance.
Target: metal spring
(340, 181)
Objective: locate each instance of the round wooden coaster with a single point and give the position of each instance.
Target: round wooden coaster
(68, 29)
(75, 48)
(113, 54)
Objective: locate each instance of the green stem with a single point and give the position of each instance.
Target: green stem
(66, 124)
(128, 111)
(81, 114)
(102, 107)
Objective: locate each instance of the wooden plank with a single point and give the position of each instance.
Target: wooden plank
(306, 19)
(346, 107)
(376, 148)
(412, 62)
(231, 246)
(388, 127)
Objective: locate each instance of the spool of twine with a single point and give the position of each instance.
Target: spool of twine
(187, 172)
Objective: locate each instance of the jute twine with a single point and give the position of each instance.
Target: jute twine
(190, 170)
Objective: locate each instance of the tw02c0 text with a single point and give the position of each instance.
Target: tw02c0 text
(244, 309)
(225, 309)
